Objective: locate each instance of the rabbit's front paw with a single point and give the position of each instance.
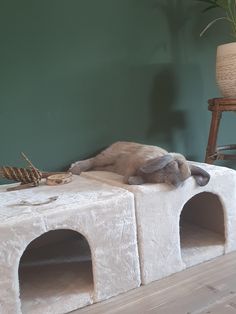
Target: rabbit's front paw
(75, 168)
(135, 180)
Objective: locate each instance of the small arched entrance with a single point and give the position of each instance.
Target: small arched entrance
(202, 229)
(55, 273)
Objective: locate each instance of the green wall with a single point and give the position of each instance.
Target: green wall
(76, 76)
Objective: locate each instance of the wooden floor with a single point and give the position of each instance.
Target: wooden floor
(207, 288)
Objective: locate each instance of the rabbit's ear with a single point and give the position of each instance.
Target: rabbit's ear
(156, 163)
(201, 176)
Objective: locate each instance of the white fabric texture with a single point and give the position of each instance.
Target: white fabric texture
(103, 214)
(158, 210)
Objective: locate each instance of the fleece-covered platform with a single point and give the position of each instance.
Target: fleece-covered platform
(42, 233)
(178, 228)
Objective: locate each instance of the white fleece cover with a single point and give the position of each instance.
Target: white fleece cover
(103, 214)
(158, 209)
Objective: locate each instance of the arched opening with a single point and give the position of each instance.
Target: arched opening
(202, 229)
(55, 273)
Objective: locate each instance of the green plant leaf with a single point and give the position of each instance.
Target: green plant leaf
(208, 1)
(229, 8)
(211, 2)
(211, 23)
(223, 4)
(213, 6)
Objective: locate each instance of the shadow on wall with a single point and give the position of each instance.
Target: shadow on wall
(181, 85)
(164, 118)
(177, 13)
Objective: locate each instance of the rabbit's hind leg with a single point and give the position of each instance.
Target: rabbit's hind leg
(106, 158)
(81, 166)
(105, 161)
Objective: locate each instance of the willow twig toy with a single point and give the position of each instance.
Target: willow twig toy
(28, 177)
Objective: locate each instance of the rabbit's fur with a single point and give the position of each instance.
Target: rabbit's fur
(140, 164)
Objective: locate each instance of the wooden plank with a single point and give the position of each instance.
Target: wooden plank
(223, 306)
(193, 291)
(199, 298)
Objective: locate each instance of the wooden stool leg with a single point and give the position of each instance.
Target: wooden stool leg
(211, 146)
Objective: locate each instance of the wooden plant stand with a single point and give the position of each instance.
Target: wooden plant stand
(213, 152)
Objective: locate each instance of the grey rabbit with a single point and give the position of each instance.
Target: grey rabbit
(140, 164)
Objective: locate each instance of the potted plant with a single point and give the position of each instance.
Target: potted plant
(226, 54)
